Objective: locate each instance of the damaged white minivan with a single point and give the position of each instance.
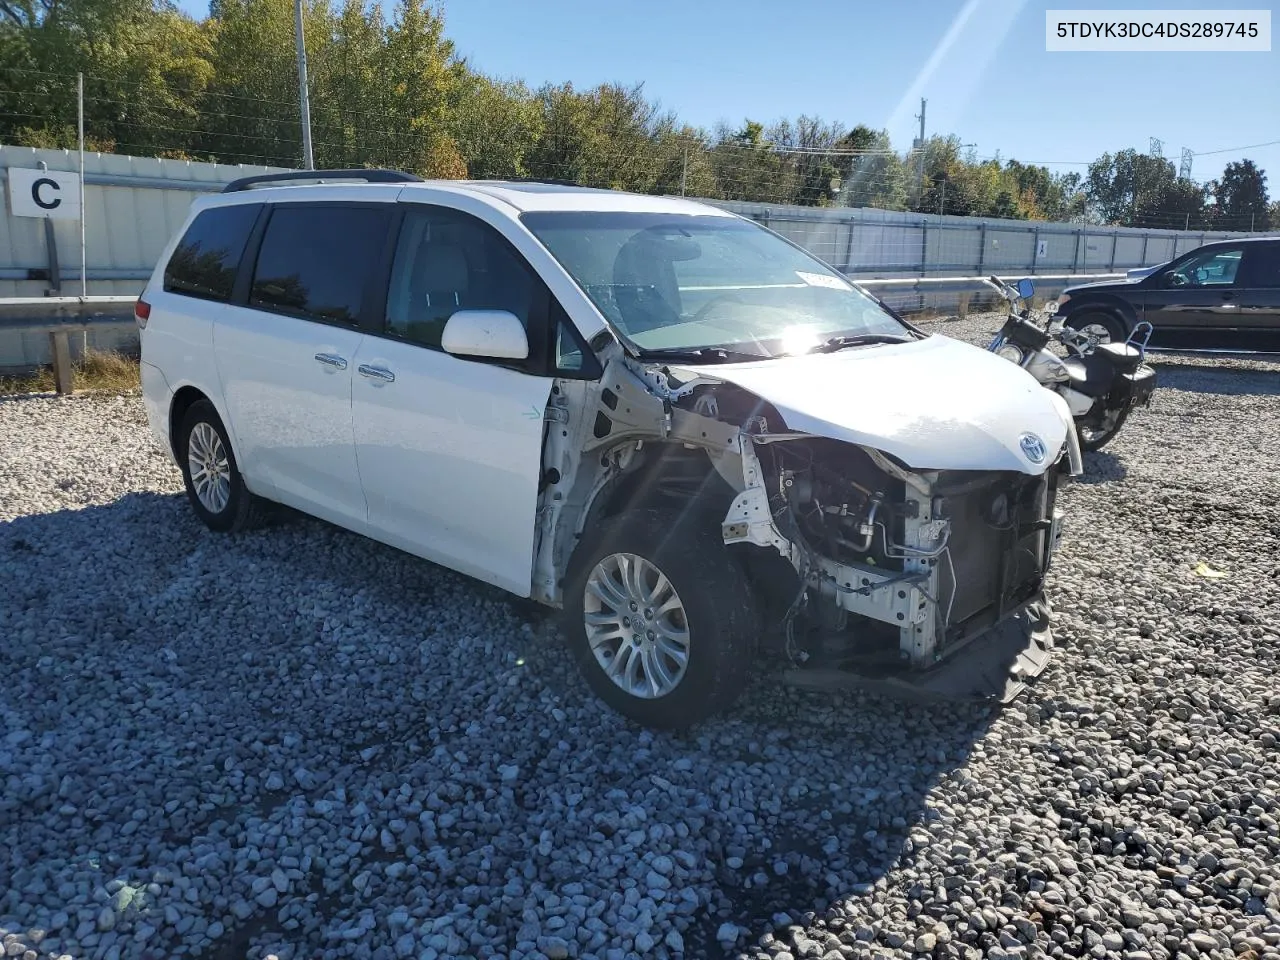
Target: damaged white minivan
(702, 444)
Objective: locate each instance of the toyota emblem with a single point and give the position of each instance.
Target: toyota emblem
(1033, 447)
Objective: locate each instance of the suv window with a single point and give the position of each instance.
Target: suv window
(315, 261)
(447, 261)
(1212, 268)
(205, 261)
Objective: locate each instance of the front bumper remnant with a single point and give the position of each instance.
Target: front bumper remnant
(995, 665)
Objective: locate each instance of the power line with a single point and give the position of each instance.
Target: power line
(1252, 146)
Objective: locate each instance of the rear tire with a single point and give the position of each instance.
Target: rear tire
(1115, 330)
(1096, 440)
(214, 486)
(698, 593)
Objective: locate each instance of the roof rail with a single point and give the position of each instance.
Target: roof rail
(546, 180)
(373, 175)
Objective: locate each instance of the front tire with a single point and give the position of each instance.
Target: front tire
(659, 618)
(214, 486)
(1095, 438)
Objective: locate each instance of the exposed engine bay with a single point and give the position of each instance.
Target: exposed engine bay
(862, 559)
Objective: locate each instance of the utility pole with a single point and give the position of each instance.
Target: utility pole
(304, 102)
(920, 154)
(84, 273)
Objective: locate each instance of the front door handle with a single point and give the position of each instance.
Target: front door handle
(1228, 295)
(376, 373)
(332, 360)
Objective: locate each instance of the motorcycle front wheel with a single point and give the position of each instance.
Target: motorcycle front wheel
(1096, 435)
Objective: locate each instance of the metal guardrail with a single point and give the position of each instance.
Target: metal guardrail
(59, 317)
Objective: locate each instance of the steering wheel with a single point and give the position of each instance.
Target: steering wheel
(713, 302)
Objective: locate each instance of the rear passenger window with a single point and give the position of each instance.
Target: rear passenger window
(447, 261)
(1264, 265)
(315, 261)
(205, 262)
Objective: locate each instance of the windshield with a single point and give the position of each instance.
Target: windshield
(682, 283)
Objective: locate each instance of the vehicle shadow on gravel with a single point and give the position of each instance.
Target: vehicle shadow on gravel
(1101, 466)
(302, 668)
(863, 768)
(1215, 378)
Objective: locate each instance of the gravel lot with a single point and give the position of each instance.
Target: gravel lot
(300, 743)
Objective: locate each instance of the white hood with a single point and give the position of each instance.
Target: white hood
(935, 404)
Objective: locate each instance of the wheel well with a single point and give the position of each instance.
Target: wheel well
(1126, 318)
(182, 401)
(671, 475)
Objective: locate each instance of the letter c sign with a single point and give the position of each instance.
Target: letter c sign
(51, 194)
(52, 186)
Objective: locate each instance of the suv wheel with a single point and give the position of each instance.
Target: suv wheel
(1101, 325)
(214, 485)
(660, 618)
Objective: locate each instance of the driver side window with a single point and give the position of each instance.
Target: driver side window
(1215, 268)
(447, 261)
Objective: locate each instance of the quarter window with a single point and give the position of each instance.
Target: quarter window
(315, 261)
(1263, 266)
(205, 262)
(448, 261)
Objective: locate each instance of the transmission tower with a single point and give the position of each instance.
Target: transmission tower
(1156, 148)
(1184, 169)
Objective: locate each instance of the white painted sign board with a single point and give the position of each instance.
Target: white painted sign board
(54, 194)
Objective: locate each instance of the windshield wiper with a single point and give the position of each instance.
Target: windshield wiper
(698, 355)
(859, 340)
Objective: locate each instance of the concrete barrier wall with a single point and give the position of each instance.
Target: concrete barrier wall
(132, 206)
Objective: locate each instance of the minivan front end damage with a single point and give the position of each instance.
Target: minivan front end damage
(923, 580)
(904, 573)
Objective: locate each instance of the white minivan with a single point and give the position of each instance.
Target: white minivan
(702, 444)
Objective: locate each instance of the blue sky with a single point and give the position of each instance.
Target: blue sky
(980, 63)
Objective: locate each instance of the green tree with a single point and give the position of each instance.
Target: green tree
(747, 167)
(250, 112)
(875, 178)
(350, 125)
(424, 79)
(610, 136)
(495, 126)
(144, 67)
(1134, 189)
(1241, 197)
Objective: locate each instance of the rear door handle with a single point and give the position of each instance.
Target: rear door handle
(332, 360)
(1228, 295)
(376, 373)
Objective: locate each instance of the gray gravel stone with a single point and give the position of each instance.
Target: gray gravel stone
(352, 753)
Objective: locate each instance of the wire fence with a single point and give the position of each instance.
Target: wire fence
(124, 116)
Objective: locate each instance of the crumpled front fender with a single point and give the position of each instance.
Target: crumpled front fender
(1074, 456)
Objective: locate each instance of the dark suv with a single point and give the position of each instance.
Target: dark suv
(1224, 295)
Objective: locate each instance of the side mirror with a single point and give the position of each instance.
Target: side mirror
(1026, 288)
(490, 334)
(1172, 278)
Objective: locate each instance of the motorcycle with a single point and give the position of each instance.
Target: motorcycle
(1101, 382)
